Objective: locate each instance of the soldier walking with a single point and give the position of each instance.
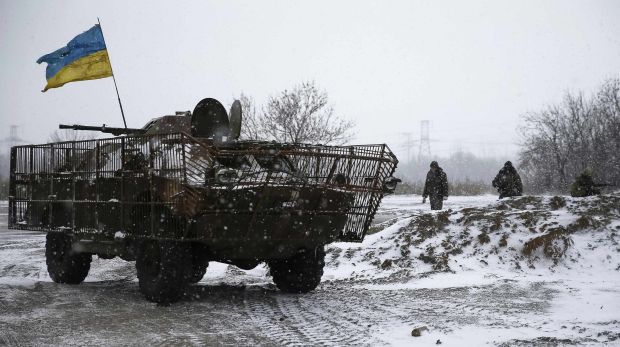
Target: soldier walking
(436, 186)
(508, 182)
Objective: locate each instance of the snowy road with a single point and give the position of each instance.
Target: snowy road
(234, 307)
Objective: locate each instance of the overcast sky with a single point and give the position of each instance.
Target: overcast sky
(472, 68)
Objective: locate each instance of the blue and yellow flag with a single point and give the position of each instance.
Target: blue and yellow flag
(83, 58)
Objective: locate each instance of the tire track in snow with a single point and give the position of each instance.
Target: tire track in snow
(263, 310)
(324, 317)
(7, 335)
(313, 326)
(352, 313)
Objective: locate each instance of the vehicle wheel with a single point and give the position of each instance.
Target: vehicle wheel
(65, 265)
(198, 269)
(161, 268)
(300, 273)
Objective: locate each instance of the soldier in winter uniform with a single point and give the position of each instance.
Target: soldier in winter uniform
(436, 186)
(584, 185)
(508, 182)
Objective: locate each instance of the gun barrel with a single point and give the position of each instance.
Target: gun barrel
(604, 185)
(103, 129)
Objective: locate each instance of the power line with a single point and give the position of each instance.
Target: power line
(12, 140)
(408, 144)
(425, 142)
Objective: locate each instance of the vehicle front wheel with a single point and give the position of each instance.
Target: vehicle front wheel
(198, 269)
(64, 264)
(300, 273)
(162, 268)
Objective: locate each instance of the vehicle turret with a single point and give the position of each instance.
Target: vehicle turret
(209, 120)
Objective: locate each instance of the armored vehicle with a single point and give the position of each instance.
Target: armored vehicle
(184, 190)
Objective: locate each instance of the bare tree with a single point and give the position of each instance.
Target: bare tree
(563, 140)
(72, 135)
(300, 115)
(252, 128)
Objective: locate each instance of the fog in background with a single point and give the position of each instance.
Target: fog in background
(471, 68)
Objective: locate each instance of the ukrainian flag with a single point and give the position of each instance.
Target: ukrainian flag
(83, 58)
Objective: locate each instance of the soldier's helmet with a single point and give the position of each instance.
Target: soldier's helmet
(434, 164)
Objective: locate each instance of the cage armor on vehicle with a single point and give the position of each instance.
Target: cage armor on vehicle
(184, 190)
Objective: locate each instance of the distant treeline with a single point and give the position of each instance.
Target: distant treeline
(465, 187)
(563, 140)
(467, 173)
(460, 167)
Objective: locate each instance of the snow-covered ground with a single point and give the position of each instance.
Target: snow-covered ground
(461, 247)
(460, 273)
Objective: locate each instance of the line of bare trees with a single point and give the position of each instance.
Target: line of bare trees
(302, 114)
(563, 140)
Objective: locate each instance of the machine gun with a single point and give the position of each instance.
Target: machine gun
(605, 185)
(104, 129)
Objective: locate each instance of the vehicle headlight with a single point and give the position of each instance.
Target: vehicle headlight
(389, 185)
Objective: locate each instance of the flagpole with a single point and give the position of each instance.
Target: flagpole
(113, 78)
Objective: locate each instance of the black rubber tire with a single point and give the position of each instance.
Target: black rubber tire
(65, 265)
(162, 270)
(300, 273)
(198, 269)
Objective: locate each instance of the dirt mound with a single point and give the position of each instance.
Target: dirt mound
(517, 234)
